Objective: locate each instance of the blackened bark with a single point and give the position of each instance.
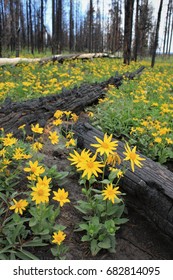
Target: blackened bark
(129, 4)
(157, 34)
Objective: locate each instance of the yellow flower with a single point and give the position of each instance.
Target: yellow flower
(169, 141)
(113, 159)
(2, 152)
(34, 168)
(61, 196)
(9, 141)
(43, 182)
(22, 126)
(70, 135)
(119, 172)
(67, 113)
(57, 122)
(19, 206)
(58, 114)
(133, 157)
(32, 177)
(158, 140)
(110, 193)
(54, 138)
(76, 158)
(70, 143)
(6, 161)
(105, 146)
(37, 128)
(90, 114)
(74, 117)
(59, 237)
(37, 146)
(90, 167)
(18, 153)
(40, 194)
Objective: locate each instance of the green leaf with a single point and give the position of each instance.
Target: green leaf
(85, 238)
(25, 255)
(105, 244)
(3, 257)
(59, 227)
(36, 242)
(105, 181)
(32, 222)
(83, 226)
(94, 247)
(3, 197)
(44, 232)
(121, 221)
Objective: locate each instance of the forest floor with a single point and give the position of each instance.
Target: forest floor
(136, 240)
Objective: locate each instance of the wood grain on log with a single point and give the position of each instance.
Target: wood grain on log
(39, 110)
(149, 189)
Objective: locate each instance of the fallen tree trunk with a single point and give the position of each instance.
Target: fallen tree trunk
(149, 189)
(59, 58)
(15, 114)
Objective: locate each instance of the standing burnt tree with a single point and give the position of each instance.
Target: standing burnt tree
(129, 4)
(71, 35)
(157, 34)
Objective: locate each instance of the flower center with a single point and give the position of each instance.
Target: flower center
(40, 192)
(90, 164)
(110, 192)
(33, 169)
(18, 204)
(105, 145)
(132, 156)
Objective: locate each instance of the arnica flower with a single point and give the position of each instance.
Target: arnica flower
(61, 196)
(74, 117)
(58, 237)
(111, 193)
(43, 182)
(113, 159)
(22, 126)
(90, 167)
(37, 146)
(37, 129)
(58, 114)
(40, 194)
(133, 157)
(105, 146)
(9, 141)
(54, 138)
(57, 122)
(70, 143)
(76, 158)
(34, 168)
(19, 206)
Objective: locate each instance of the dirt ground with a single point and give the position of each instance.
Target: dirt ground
(136, 240)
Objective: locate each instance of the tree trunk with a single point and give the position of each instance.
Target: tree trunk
(136, 31)
(128, 30)
(157, 34)
(71, 37)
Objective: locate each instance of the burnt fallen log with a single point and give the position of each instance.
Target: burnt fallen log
(149, 189)
(59, 58)
(40, 110)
